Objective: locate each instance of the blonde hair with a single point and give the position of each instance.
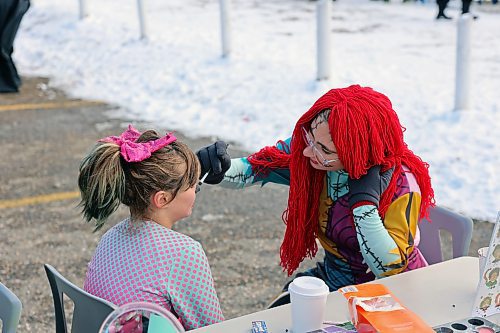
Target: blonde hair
(106, 180)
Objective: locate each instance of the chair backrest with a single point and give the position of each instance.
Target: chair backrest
(89, 311)
(459, 226)
(10, 310)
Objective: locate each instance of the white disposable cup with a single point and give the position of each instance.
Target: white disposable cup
(308, 296)
(482, 253)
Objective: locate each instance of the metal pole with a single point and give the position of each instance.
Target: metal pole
(323, 34)
(462, 77)
(225, 27)
(142, 20)
(84, 10)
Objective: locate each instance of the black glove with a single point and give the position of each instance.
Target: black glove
(215, 160)
(369, 187)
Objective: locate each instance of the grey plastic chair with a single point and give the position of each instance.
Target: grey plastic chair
(281, 299)
(89, 311)
(459, 226)
(10, 310)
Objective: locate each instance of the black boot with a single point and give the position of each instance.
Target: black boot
(442, 16)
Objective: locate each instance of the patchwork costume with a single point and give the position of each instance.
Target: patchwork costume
(359, 246)
(363, 205)
(145, 261)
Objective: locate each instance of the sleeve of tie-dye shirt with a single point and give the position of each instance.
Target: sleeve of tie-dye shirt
(241, 175)
(191, 289)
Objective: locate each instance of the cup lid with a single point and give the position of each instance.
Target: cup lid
(308, 286)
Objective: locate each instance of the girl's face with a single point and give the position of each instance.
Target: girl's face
(320, 148)
(182, 205)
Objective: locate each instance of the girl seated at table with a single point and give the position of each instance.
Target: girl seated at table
(142, 258)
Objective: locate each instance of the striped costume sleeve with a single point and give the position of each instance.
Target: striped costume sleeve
(241, 175)
(191, 289)
(386, 245)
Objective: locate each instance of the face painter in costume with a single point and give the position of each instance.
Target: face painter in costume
(354, 185)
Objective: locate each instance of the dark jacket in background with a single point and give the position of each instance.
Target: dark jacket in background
(11, 13)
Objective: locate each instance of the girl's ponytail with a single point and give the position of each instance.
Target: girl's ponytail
(101, 182)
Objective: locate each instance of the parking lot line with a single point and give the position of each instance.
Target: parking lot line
(38, 199)
(49, 105)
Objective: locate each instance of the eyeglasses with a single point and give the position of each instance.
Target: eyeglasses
(310, 142)
(198, 186)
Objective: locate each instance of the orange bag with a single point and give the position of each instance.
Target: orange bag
(373, 308)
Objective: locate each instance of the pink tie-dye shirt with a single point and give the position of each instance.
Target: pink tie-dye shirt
(144, 261)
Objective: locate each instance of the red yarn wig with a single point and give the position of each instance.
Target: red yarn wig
(366, 131)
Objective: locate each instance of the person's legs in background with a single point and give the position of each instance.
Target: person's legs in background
(11, 13)
(441, 7)
(466, 8)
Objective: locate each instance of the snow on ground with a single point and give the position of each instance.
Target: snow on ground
(178, 80)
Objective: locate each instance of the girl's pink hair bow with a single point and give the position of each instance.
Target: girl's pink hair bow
(133, 151)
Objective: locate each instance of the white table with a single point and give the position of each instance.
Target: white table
(439, 294)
